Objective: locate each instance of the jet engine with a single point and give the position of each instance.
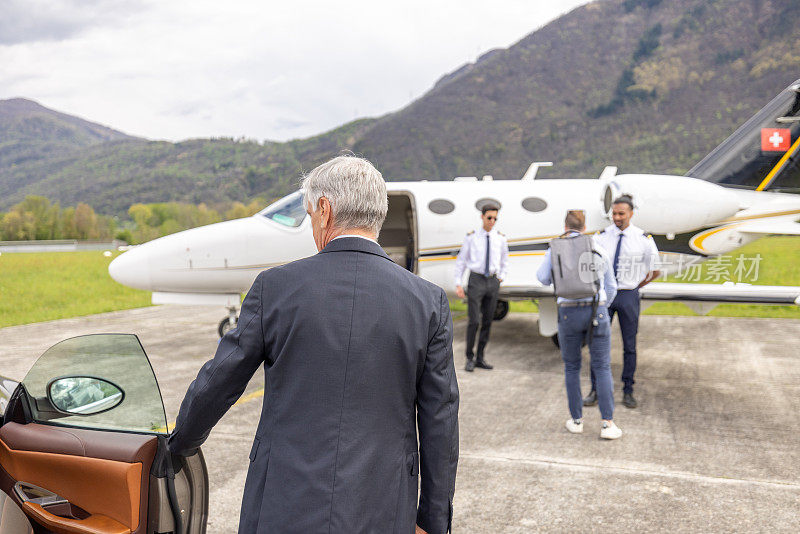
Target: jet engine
(671, 204)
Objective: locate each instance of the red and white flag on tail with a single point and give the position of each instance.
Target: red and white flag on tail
(776, 139)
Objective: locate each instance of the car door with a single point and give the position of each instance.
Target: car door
(83, 445)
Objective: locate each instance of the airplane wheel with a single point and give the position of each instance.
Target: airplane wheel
(501, 310)
(225, 326)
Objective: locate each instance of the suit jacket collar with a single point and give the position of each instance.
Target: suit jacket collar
(354, 244)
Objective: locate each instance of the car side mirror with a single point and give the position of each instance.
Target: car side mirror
(83, 395)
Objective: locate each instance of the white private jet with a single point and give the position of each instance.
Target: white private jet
(744, 189)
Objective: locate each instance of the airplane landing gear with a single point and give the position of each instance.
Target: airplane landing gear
(501, 310)
(228, 323)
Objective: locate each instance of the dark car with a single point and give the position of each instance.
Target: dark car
(83, 446)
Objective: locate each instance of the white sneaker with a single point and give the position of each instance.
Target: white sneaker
(610, 431)
(574, 426)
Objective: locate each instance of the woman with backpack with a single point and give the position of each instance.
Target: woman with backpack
(582, 276)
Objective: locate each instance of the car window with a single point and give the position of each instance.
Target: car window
(115, 359)
(288, 211)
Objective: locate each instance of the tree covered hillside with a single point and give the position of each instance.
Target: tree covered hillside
(646, 85)
(30, 132)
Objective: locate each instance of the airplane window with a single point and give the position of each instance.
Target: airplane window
(441, 206)
(534, 204)
(288, 211)
(481, 202)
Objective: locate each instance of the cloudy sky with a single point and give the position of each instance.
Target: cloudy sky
(175, 69)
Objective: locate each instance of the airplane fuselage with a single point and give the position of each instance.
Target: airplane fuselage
(427, 222)
(744, 189)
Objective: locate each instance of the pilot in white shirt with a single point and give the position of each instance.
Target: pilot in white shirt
(634, 257)
(485, 254)
(638, 255)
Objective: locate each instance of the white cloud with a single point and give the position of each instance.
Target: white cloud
(27, 21)
(264, 70)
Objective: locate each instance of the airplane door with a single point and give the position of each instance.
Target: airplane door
(399, 233)
(83, 445)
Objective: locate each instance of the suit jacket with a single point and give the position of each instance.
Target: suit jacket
(357, 354)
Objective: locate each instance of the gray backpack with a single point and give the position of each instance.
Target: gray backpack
(576, 273)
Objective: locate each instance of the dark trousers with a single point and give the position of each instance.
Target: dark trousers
(481, 303)
(626, 307)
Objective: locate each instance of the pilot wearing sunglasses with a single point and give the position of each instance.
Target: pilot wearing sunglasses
(485, 254)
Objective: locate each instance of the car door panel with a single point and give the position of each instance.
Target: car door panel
(120, 446)
(94, 524)
(104, 473)
(83, 446)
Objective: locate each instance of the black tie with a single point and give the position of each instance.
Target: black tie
(616, 255)
(486, 269)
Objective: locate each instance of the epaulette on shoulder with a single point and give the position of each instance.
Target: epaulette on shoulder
(602, 231)
(501, 233)
(649, 236)
(470, 233)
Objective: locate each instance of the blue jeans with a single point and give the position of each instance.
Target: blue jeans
(573, 323)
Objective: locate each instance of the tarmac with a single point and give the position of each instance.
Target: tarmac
(712, 446)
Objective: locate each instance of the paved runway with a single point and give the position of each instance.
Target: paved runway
(712, 447)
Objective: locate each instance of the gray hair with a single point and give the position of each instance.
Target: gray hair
(354, 188)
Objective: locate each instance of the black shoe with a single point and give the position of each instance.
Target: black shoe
(629, 401)
(483, 365)
(470, 366)
(590, 399)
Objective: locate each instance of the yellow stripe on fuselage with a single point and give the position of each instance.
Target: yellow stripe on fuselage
(510, 256)
(777, 167)
(697, 241)
(761, 216)
(443, 258)
(516, 240)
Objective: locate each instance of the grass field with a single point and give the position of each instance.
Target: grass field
(779, 266)
(42, 287)
(45, 286)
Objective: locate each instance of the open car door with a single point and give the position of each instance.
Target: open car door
(83, 445)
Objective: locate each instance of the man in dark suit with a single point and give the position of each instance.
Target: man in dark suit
(357, 354)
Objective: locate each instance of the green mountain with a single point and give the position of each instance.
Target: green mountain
(113, 175)
(646, 85)
(30, 132)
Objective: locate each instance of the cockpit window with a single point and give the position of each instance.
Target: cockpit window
(288, 211)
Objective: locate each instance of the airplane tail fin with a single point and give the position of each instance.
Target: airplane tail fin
(764, 153)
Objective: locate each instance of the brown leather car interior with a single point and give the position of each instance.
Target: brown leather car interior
(104, 474)
(94, 524)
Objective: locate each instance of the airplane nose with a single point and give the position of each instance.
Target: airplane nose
(131, 269)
